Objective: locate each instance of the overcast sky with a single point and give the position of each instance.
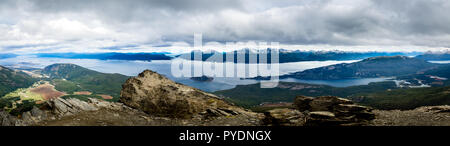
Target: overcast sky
(162, 25)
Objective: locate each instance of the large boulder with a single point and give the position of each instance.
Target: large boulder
(58, 108)
(62, 107)
(284, 117)
(302, 103)
(333, 111)
(160, 96)
(327, 103)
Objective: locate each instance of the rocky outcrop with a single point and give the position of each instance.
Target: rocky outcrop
(70, 106)
(333, 111)
(58, 108)
(284, 117)
(302, 103)
(320, 111)
(32, 117)
(147, 100)
(6, 119)
(422, 116)
(159, 96)
(97, 112)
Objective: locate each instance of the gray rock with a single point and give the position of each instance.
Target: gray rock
(62, 107)
(283, 117)
(302, 103)
(26, 116)
(80, 105)
(36, 112)
(159, 96)
(327, 103)
(322, 118)
(322, 115)
(350, 108)
(58, 105)
(333, 111)
(6, 119)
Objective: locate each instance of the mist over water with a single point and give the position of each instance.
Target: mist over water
(133, 68)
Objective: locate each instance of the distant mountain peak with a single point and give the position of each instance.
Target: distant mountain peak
(435, 56)
(63, 64)
(384, 66)
(65, 67)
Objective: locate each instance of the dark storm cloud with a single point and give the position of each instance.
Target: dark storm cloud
(418, 16)
(125, 9)
(119, 47)
(105, 23)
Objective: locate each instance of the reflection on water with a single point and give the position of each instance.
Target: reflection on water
(133, 68)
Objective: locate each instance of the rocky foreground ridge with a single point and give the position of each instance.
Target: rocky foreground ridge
(151, 99)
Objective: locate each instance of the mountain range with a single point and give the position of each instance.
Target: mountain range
(286, 56)
(430, 56)
(7, 55)
(72, 78)
(386, 66)
(108, 56)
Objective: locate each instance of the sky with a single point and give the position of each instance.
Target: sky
(43, 26)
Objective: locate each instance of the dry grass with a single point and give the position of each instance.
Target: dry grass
(106, 96)
(83, 93)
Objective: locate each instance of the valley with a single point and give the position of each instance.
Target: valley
(287, 56)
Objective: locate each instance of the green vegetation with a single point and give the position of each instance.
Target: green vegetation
(380, 95)
(425, 77)
(71, 78)
(405, 99)
(11, 80)
(86, 97)
(66, 86)
(253, 95)
(24, 94)
(286, 56)
(20, 100)
(8, 102)
(67, 78)
(24, 106)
